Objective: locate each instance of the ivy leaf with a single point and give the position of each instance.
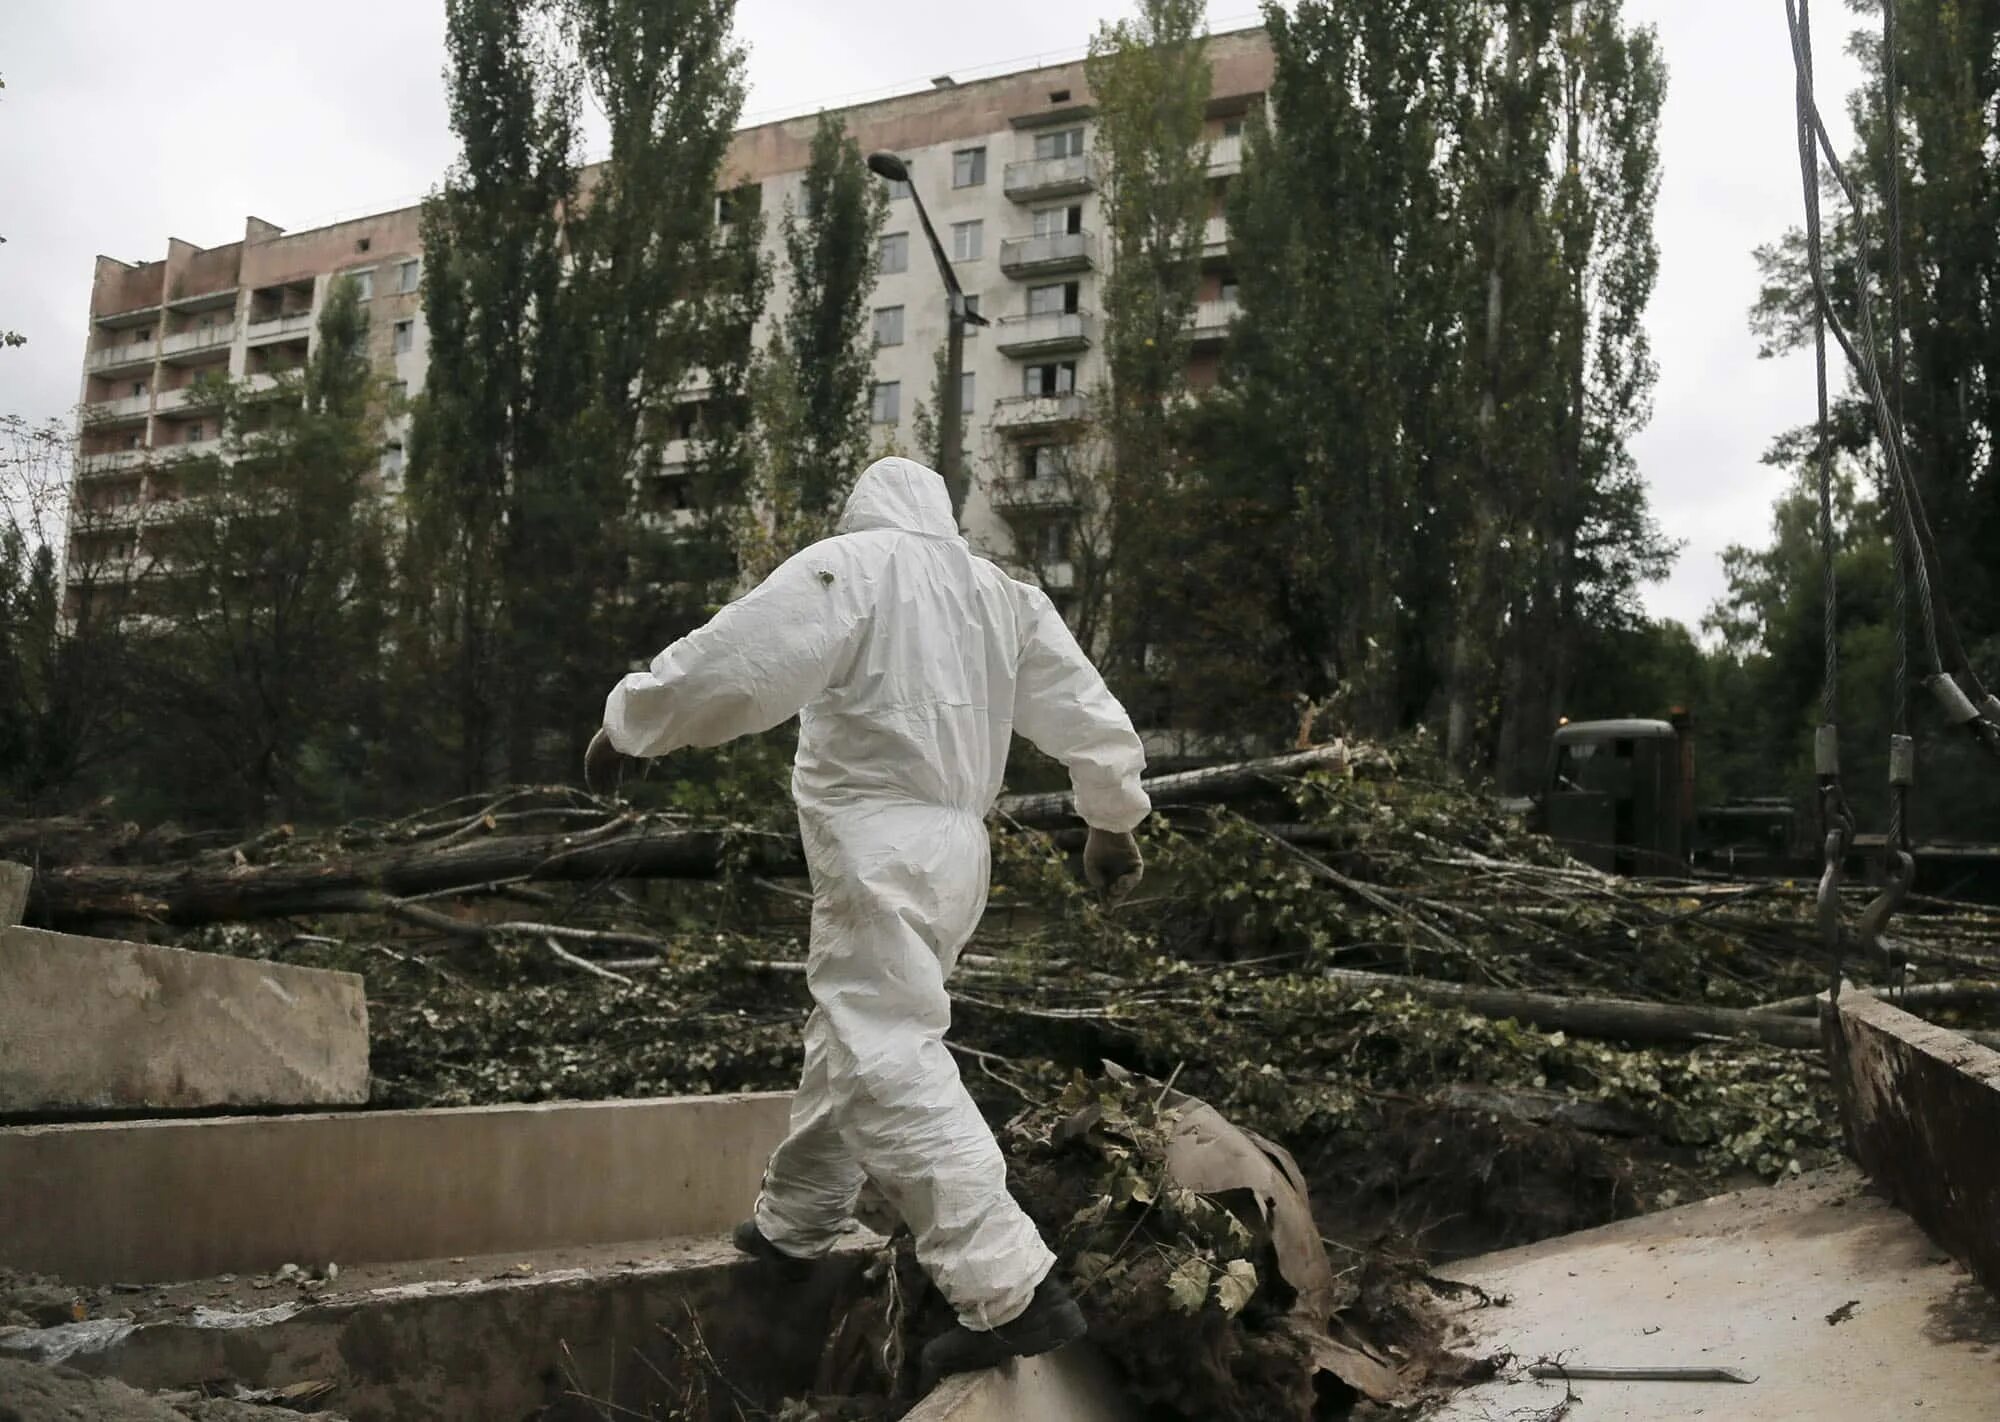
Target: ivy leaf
(1187, 1286)
(1236, 1286)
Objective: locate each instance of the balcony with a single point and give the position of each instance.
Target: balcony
(1017, 494)
(115, 461)
(129, 356)
(1043, 333)
(1041, 256)
(200, 341)
(195, 395)
(1032, 414)
(1215, 239)
(189, 449)
(1036, 178)
(268, 384)
(1212, 319)
(125, 407)
(277, 328)
(1225, 156)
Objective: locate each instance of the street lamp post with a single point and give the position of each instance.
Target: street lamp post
(951, 415)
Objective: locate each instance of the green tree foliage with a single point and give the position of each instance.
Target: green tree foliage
(1948, 80)
(64, 674)
(1444, 249)
(502, 366)
(567, 311)
(1149, 77)
(267, 581)
(812, 384)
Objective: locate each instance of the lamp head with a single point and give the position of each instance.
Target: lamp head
(889, 166)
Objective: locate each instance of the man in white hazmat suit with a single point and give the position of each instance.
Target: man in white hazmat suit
(910, 663)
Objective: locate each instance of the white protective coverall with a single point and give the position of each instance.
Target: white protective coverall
(910, 663)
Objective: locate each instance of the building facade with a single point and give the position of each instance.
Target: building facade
(1005, 167)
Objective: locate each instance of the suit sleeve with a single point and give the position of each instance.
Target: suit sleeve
(754, 665)
(1062, 705)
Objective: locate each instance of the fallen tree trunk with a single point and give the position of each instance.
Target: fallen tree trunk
(1951, 994)
(206, 893)
(1619, 1019)
(213, 890)
(1189, 787)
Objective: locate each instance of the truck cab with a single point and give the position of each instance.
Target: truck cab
(1620, 794)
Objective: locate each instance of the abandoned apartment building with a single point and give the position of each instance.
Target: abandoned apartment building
(1006, 167)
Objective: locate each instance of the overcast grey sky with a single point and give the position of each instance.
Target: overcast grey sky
(125, 122)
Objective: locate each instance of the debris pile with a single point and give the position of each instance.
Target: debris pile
(1467, 1039)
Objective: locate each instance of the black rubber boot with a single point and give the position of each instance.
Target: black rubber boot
(1050, 1320)
(748, 1238)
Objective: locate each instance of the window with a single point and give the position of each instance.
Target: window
(968, 167)
(364, 284)
(403, 336)
(971, 306)
(1228, 291)
(408, 275)
(888, 325)
(1063, 143)
(968, 241)
(362, 244)
(1053, 542)
(1055, 378)
(737, 202)
(392, 460)
(1056, 221)
(194, 432)
(1058, 296)
(1232, 128)
(138, 388)
(892, 253)
(1041, 461)
(898, 188)
(135, 441)
(886, 404)
(1059, 96)
(399, 391)
(967, 401)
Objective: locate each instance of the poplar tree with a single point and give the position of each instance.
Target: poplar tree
(1149, 79)
(268, 576)
(812, 384)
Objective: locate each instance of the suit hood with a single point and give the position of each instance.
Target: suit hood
(900, 494)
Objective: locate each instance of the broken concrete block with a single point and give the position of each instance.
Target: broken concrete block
(90, 1024)
(14, 881)
(1920, 1105)
(101, 1202)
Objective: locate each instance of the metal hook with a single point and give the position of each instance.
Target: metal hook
(1828, 903)
(1902, 872)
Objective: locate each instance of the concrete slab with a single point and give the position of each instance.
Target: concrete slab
(1920, 1105)
(90, 1024)
(576, 1334)
(1073, 1384)
(1831, 1297)
(15, 880)
(141, 1201)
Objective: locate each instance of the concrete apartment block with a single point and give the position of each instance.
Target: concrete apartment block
(1006, 166)
(88, 1024)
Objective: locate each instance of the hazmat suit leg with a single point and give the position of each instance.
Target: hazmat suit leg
(813, 1180)
(898, 889)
